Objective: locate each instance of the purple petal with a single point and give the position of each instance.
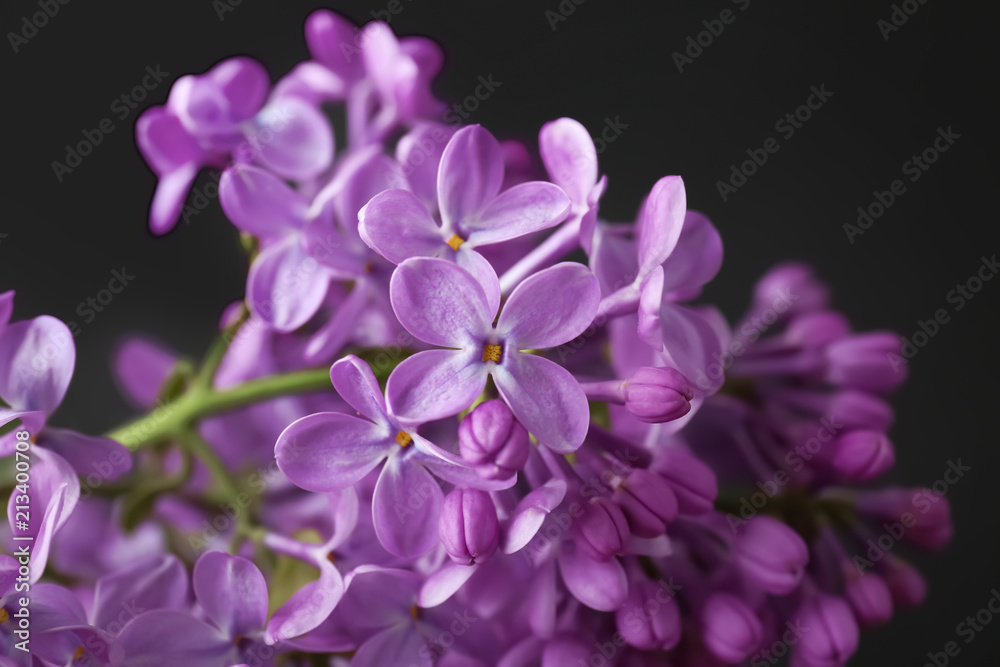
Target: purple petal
(328, 451)
(407, 500)
(260, 203)
(355, 382)
(419, 153)
(232, 591)
(36, 363)
(523, 209)
(444, 583)
(166, 638)
(691, 343)
(454, 470)
(308, 607)
(439, 302)
(311, 82)
(660, 222)
(545, 398)
(600, 586)
(244, 84)
(651, 299)
(285, 285)
(361, 175)
(397, 645)
(397, 226)
(530, 513)
(550, 307)
(292, 138)
(93, 458)
(696, 258)
(6, 307)
(168, 199)
(141, 367)
(481, 269)
(326, 35)
(470, 174)
(164, 142)
(569, 156)
(159, 582)
(435, 384)
(53, 492)
(331, 338)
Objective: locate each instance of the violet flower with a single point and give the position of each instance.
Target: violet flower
(329, 451)
(442, 304)
(474, 212)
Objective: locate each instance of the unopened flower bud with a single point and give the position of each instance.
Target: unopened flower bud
(833, 633)
(771, 555)
(493, 441)
(650, 618)
(866, 361)
(468, 527)
(602, 530)
(869, 597)
(694, 484)
(647, 501)
(790, 288)
(862, 455)
(731, 630)
(657, 395)
(906, 584)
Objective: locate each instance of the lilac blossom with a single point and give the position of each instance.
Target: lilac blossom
(442, 304)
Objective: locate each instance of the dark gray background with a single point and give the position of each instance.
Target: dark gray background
(607, 60)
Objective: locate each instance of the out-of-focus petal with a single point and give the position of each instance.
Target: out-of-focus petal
(470, 175)
(260, 203)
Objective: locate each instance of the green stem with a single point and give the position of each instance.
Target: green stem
(213, 359)
(200, 402)
(201, 450)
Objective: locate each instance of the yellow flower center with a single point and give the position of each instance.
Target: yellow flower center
(4, 616)
(403, 438)
(491, 352)
(415, 611)
(78, 653)
(455, 241)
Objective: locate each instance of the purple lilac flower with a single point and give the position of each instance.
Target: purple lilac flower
(474, 212)
(331, 451)
(442, 304)
(226, 114)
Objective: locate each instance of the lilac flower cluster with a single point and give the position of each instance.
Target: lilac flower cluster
(539, 448)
